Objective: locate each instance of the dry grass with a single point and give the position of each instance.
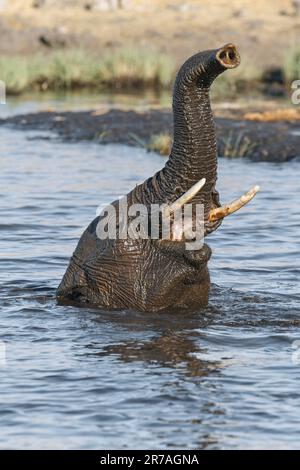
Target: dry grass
(288, 114)
(236, 146)
(233, 146)
(160, 143)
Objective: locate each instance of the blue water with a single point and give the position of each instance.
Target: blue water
(225, 377)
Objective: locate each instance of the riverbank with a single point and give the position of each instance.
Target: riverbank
(258, 137)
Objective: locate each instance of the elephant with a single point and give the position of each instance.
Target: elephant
(161, 274)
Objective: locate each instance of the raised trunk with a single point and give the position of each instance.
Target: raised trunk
(194, 153)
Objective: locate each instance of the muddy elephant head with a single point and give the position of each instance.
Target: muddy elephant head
(133, 269)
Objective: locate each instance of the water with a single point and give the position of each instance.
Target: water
(75, 101)
(225, 377)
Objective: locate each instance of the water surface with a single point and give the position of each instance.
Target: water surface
(224, 377)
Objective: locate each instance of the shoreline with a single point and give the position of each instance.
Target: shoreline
(237, 137)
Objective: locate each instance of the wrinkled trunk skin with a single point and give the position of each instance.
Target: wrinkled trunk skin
(150, 275)
(194, 152)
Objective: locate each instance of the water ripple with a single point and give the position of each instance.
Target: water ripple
(224, 377)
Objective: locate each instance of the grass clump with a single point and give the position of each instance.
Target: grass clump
(136, 66)
(236, 146)
(59, 70)
(232, 82)
(65, 70)
(68, 69)
(292, 65)
(15, 73)
(160, 143)
(123, 68)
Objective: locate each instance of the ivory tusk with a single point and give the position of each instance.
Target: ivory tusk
(223, 211)
(186, 197)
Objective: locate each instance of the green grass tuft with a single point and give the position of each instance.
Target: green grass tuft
(136, 66)
(65, 70)
(15, 73)
(232, 82)
(236, 146)
(292, 65)
(124, 68)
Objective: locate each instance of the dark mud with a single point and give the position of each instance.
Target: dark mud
(258, 141)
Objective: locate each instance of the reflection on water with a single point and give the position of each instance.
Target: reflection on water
(143, 99)
(51, 101)
(170, 349)
(224, 377)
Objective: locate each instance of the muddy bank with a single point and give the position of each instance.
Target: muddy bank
(32, 31)
(263, 30)
(258, 141)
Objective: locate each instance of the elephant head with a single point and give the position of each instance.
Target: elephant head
(157, 274)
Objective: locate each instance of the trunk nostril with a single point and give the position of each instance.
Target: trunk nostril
(228, 56)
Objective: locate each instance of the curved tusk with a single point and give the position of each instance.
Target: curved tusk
(186, 197)
(223, 211)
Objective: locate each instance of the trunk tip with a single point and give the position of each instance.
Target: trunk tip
(228, 56)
